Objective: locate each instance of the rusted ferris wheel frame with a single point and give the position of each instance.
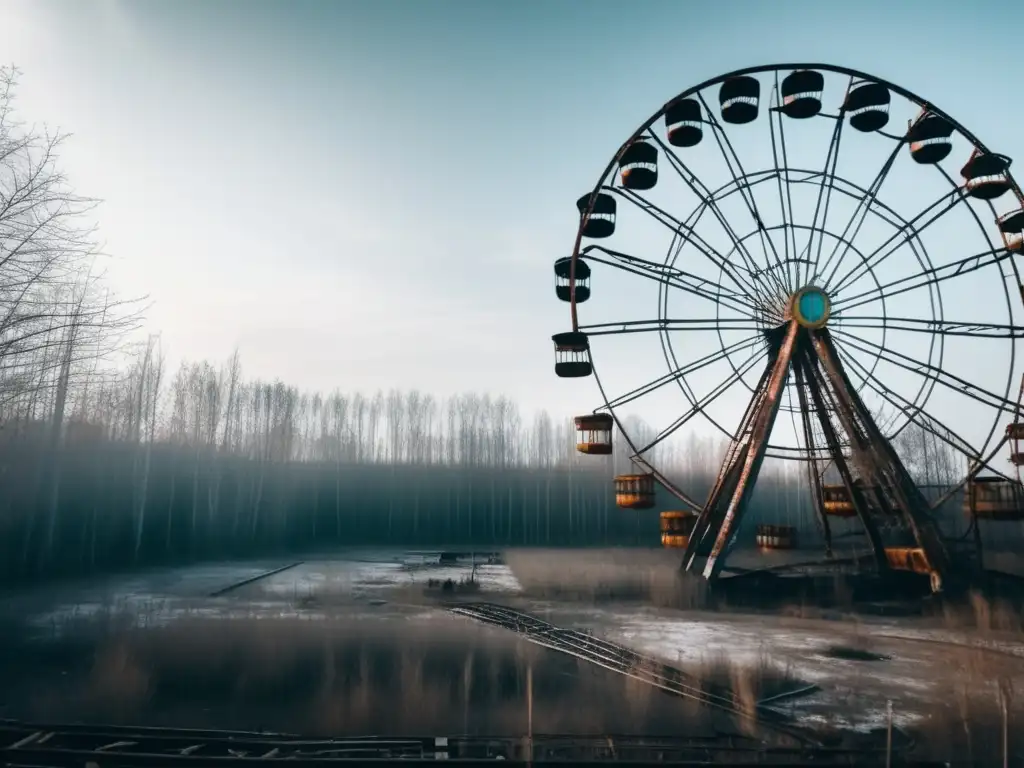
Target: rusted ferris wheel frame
(982, 167)
(645, 128)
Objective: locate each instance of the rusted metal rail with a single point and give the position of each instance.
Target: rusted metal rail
(628, 662)
(62, 746)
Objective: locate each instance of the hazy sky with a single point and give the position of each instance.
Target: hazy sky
(371, 194)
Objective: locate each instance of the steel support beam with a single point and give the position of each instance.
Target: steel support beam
(814, 479)
(812, 373)
(880, 458)
(728, 500)
(823, 384)
(700, 543)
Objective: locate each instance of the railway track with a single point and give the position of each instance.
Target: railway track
(253, 579)
(628, 662)
(62, 746)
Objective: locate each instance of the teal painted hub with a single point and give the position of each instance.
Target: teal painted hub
(811, 307)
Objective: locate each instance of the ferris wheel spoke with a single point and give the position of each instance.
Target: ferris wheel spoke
(880, 209)
(708, 324)
(927, 370)
(847, 188)
(792, 414)
(710, 199)
(913, 412)
(751, 287)
(931, 327)
(698, 405)
(784, 190)
(926, 277)
(983, 229)
(871, 260)
(824, 199)
(680, 372)
(813, 458)
(858, 217)
(694, 285)
(884, 212)
(735, 166)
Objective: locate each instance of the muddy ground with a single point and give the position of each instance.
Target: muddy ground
(356, 643)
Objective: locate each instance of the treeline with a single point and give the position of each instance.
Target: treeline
(143, 468)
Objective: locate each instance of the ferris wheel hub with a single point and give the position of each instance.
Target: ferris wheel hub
(810, 307)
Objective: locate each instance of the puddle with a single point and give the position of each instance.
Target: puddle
(846, 653)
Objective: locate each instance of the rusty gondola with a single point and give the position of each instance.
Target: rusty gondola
(594, 434)
(635, 491)
(770, 536)
(836, 501)
(676, 527)
(994, 498)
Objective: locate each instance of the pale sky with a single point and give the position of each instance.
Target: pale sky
(371, 194)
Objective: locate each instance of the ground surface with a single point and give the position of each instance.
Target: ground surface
(117, 637)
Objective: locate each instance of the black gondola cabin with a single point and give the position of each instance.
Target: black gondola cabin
(684, 123)
(986, 175)
(929, 140)
(572, 355)
(594, 434)
(564, 282)
(739, 98)
(634, 491)
(601, 221)
(867, 104)
(638, 166)
(801, 94)
(1011, 226)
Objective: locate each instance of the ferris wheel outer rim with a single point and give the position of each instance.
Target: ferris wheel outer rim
(905, 93)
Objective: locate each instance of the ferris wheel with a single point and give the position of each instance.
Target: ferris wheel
(808, 262)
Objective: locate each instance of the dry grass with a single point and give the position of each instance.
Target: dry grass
(984, 614)
(651, 576)
(597, 575)
(968, 721)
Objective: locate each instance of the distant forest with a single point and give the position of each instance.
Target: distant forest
(137, 467)
(108, 460)
(140, 467)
